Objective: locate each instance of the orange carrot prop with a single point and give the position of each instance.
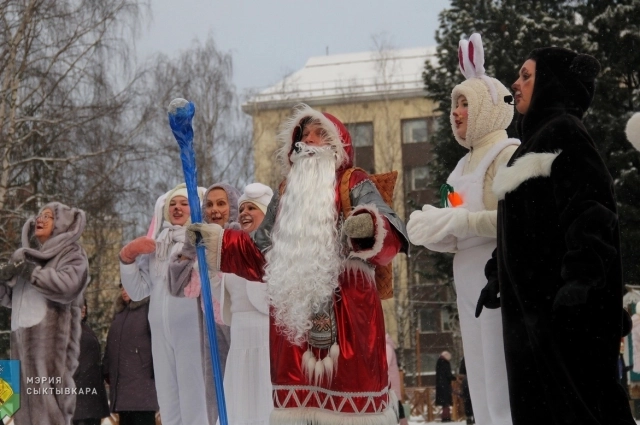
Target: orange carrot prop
(449, 197)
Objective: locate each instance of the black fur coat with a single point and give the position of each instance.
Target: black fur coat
(559, 269)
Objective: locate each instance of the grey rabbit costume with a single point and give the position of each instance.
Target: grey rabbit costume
(45, 296)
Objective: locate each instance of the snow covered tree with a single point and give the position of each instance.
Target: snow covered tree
(202, 74)
(68, 116)
(612, 35)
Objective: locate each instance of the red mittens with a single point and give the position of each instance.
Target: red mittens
(138, 246)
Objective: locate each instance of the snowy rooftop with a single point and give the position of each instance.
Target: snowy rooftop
(354, 76)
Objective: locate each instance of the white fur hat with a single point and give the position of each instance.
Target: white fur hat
(162, 206)
(258, 194)
(487, 110)
(633, 130)
(179, 190)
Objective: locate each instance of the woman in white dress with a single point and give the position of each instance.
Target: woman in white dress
(244, 307)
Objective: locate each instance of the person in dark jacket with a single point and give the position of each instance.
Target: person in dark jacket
(444, 392)
(128, 365)
(557, 265)
(91, 398)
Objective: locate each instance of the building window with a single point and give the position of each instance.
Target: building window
(429, 320)
(361, 134)
(415, 131)
(362, 142)
(449, 318)
(428, 362)
(419, 178)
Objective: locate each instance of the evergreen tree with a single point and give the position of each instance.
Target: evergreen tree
(510, 30)
(612, 31)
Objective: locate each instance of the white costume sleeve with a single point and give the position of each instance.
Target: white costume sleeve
(136, 279)
(483, 223)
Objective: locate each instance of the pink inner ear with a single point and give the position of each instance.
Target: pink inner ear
(152, 227)
(460, 59)
(471, 54)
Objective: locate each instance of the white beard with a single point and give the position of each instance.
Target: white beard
(305, 261)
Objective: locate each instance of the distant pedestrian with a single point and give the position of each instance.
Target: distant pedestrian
(128, 364)
(91, 398)
(444, 376)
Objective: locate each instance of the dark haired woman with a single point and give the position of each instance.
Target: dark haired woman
(558, 256)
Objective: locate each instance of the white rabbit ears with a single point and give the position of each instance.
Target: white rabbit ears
(471, 61)
(471, 56)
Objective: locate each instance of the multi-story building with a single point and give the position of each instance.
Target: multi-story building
(380, 97)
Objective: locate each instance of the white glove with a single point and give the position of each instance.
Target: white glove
(211, 234)
(432, 225)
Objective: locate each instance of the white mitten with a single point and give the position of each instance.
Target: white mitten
(432, 225)
(448, 244)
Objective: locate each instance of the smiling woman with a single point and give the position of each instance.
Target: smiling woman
(173, 321)
(253, 205)
(220, 206)
(42, 284)
(44, 225)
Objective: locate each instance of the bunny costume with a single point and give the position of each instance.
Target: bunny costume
(175, 335)
(469, 229)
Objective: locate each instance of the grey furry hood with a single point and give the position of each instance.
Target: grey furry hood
(68, 224)
(233, 195)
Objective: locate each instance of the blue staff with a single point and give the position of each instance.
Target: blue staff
(181, 113)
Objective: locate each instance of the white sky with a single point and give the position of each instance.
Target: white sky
(271, 38)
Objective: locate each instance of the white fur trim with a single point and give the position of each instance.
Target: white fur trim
(379, 233)
(356, 266)
(633, 130)
(529, 166)
(285, 136)
(213, 242)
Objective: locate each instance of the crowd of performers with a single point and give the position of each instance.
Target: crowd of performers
(299, 321)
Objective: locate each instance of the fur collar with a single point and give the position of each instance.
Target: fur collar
(120, 305)
(526, 167)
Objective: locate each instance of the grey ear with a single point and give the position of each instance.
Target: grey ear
(585, 67)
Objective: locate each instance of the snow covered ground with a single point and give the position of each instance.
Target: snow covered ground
(417, 420)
